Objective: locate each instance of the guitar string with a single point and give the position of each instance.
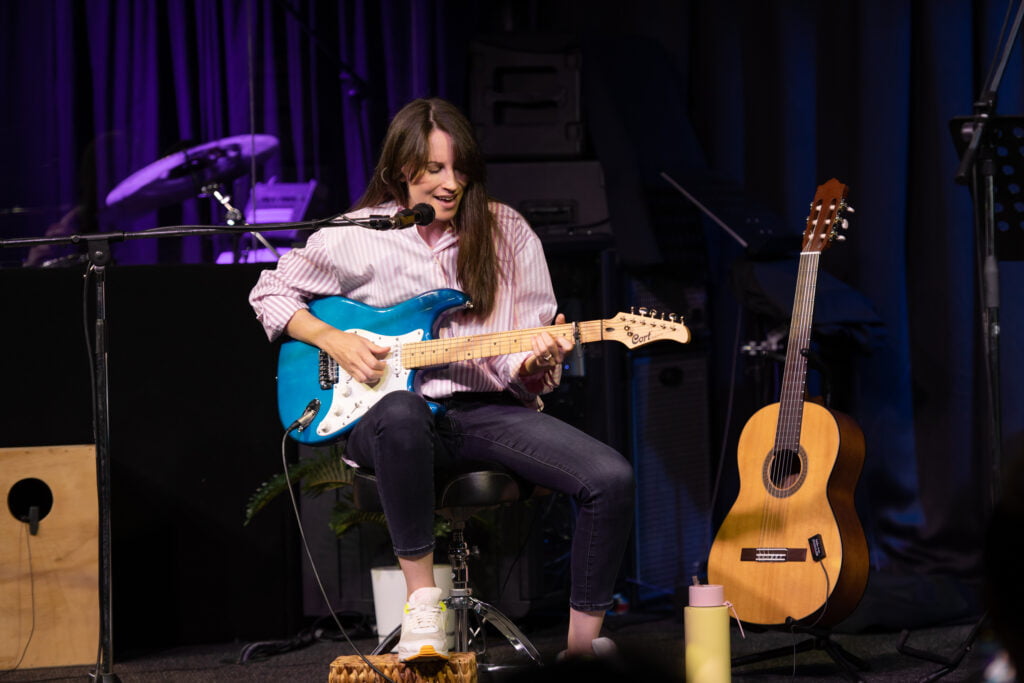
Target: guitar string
(448, 349)
(792, 463)
(771, 507)
(444, 349)
(787, 439)
(427, 352)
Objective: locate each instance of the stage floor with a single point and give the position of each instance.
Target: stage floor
(651, 645)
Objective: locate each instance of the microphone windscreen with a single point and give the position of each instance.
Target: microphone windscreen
(424, 214)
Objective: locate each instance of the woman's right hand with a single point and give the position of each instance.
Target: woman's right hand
(356, 355)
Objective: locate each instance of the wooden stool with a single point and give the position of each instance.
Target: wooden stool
(460, 668)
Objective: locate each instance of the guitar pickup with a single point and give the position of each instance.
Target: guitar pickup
(773, 554)
(328, 371)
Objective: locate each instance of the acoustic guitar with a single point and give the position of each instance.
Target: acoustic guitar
(791, 546)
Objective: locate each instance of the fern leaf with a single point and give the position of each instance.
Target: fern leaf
(322, 472)
(344, 518)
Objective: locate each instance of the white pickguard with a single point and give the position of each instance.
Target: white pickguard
(350, 400)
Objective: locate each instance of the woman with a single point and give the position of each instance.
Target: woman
(488, 251)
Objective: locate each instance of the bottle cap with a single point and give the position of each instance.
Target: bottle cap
(711, 595)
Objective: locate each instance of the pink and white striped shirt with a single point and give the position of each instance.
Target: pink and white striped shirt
(383, 268)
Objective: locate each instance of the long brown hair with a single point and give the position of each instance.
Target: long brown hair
(406, 148)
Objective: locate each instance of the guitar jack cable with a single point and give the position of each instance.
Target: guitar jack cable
(300, 424)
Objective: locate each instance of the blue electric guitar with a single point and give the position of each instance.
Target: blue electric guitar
(305, 373)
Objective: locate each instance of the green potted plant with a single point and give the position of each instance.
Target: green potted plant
(325, 471)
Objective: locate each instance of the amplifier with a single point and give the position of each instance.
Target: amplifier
(564, 201)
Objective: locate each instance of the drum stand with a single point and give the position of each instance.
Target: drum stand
(233, 218)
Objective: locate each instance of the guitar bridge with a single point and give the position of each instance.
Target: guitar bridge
(328, 371)
(773, 555)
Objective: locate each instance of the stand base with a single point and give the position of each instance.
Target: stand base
(820, 640)
(485, 613)
(948, 663)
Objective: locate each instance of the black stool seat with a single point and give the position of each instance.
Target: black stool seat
(476, 487)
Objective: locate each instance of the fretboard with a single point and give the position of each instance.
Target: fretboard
(449, 350)
(794, 378)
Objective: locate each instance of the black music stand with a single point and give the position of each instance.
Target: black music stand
(1002, 148)
(996, 178)
(989, 149)
(992, 165)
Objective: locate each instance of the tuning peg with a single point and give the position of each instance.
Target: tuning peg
(851, 209)
(653, 313)
(632, 310)
(840, 238)
(642, 310)
(673, 317)
(845, 225)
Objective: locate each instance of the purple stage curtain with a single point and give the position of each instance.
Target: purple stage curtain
(107, 87)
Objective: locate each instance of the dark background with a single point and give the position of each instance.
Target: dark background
(748, 105)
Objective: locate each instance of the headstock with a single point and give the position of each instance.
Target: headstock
(826, 217)
(643, 326)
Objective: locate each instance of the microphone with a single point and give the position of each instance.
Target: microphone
(421, 214)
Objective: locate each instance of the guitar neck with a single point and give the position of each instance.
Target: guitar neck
(452, 349)
(794, 379)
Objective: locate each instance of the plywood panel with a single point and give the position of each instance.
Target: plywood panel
(49, 582)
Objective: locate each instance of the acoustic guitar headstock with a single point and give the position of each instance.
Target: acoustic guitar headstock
(826, 217)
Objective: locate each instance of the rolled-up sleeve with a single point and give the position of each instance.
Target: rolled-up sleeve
(301, 275)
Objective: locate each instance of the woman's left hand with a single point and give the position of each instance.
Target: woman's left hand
(548, 351)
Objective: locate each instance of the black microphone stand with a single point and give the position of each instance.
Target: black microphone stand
(977, 167)
(99, 257)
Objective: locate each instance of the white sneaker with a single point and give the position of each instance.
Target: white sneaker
(603, 648)
(423, 627)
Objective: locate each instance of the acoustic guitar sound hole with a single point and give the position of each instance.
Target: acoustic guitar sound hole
(784, 472)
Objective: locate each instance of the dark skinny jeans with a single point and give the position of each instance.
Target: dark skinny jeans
(403, 443)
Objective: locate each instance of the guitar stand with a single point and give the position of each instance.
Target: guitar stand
(820, 639)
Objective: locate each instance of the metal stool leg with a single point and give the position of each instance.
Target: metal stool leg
(512, 634)
(462, 603)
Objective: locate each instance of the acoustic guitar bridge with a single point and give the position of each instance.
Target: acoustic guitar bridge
(773, 555)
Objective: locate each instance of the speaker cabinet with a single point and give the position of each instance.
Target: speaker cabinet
(525, 103)
(671, 458)
(564, 201)
(49, 557)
